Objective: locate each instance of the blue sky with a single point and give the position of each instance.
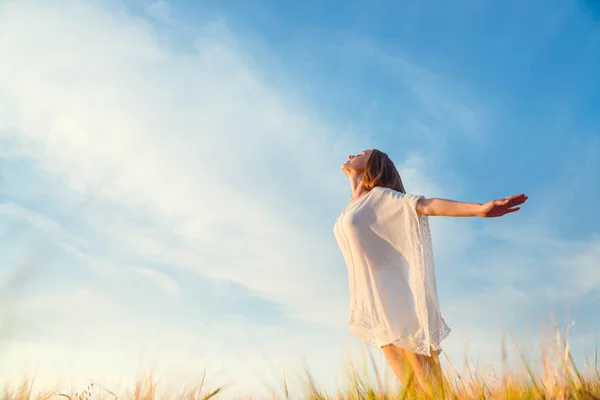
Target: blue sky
(170, 175)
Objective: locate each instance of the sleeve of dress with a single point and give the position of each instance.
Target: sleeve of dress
(397, 204)
(398, 221)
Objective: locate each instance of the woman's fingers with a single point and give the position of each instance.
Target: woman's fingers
(517, 199)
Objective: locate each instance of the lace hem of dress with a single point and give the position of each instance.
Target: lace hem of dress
(377, 338)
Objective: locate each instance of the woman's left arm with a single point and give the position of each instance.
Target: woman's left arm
(451, 208)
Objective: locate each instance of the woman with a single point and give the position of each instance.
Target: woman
(385, 240)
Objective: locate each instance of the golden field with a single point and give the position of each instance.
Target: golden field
(552, 375)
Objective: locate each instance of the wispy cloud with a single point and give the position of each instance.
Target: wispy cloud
(428, 104)
(160, 10)
(164, 282)
(172, 133)
(47, 226)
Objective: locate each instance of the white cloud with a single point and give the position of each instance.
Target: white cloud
(49, 227)
(560, 268)
(189, 142)
(583, 267)
(164, 282)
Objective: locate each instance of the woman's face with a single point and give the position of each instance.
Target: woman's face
(357, 163)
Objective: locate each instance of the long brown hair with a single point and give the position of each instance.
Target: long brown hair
(381, 171)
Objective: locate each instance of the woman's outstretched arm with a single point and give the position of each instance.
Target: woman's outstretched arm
(451, 208)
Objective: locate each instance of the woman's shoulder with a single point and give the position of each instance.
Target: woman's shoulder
(389, 193)
(387, 190)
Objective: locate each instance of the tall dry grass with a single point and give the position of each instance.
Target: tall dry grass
(554, 376)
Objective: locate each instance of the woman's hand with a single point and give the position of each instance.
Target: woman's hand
(500, 207)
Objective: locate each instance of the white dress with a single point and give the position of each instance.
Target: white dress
(388, 253)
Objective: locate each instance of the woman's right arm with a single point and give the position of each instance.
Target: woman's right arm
(451, 208)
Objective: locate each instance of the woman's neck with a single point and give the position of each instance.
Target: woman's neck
(356, 185)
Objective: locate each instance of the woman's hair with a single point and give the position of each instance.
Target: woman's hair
(382, 172)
